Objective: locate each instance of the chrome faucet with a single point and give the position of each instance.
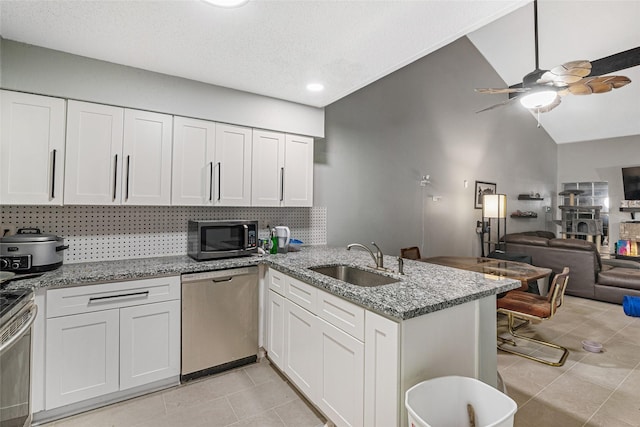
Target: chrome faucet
(378, 258)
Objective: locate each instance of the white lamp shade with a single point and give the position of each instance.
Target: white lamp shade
(494, 206)
(538, 99)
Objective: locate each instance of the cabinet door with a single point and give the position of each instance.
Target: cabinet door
(149, 343)
(147, 158)
(31, 149)
(381, 375)
(233, 166)
(82, 359)
(298, 171)
(192, 171)
(341, 388)
(94, 154)
(302, 345)
(267, 186)
(275, 329)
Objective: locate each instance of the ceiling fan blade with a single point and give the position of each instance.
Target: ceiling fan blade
(503, 103)
(599, 84)
(567, 73)
(493, 91)
(616, 62)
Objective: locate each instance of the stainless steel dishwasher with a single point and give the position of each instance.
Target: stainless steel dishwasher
(219, 321)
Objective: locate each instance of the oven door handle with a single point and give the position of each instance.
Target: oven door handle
(33, 309)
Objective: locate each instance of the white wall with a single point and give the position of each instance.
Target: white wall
(601, 160)
(421, 120)
(48, 72)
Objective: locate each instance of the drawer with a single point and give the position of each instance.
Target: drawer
(89, 298)
(301, 293)
(342, 314)
(276, 281)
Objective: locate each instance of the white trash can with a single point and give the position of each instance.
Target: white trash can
(442, 402)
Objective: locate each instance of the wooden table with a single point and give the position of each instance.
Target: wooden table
(496, 267)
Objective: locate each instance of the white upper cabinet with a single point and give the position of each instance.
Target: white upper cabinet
(31, 149)
(94, 154)
(268, 167)
(117, 156)
(147, 158)
(232, 168)
(282, 169)
(298, 171)
(193, 162)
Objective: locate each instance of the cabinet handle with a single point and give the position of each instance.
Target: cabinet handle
(126, 194)
(281, 184)
(53, 174)
(222, 280)
(210, 181)
(93, 300)
(219, 179)
(115, 177)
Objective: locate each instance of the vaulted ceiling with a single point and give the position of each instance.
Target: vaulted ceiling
(276, 48)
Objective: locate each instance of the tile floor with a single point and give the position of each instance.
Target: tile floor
(253, 396)
(589, 390)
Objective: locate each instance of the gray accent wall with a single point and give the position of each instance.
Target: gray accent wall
(421, 120)
(49, 72)
(601, 160)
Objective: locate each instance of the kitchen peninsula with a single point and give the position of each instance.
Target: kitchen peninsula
(433, 321)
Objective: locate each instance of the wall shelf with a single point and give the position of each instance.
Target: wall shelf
(528, 197)
(631, 210)
(524, 216)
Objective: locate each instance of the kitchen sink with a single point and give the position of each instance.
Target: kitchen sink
(354, 275)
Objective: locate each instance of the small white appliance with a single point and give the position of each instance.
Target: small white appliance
(284, 236)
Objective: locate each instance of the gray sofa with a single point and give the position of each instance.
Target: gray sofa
(590, 276)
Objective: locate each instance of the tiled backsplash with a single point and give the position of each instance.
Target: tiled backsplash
(98, 233)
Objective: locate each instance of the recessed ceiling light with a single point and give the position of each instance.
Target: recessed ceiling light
(226, 3)
(315, 87)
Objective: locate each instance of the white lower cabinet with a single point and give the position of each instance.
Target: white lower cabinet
(325, 362)
(82, 357)
(302, 349)
(275, 324)
(341, 379)
(149, 343)
(381, 372)
(108, 338)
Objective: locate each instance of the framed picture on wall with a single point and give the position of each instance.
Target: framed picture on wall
(483, 188)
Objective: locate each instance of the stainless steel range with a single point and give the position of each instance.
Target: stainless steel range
(17, 313)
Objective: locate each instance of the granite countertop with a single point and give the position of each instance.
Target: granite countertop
(423, 289)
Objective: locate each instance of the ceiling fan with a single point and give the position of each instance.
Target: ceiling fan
(541, 90)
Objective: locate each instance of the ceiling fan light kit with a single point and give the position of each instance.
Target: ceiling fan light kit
(538, 99)
(542, 89)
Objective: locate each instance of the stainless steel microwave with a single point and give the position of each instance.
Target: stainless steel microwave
(221, 239)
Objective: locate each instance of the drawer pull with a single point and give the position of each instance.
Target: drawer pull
(94, 300)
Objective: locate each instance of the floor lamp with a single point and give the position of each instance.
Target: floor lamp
(494, 206)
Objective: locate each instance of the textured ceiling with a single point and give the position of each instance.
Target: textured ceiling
(276, 47)
(271, 48)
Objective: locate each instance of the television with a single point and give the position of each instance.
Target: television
(631, 183)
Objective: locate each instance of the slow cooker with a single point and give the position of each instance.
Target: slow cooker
(31, 251)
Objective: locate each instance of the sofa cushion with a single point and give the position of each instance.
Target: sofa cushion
(581, 245)
(620, 277)
(545, 234)
(572, 244)
(526, 240)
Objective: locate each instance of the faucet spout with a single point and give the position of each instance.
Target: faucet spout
(377, 258)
